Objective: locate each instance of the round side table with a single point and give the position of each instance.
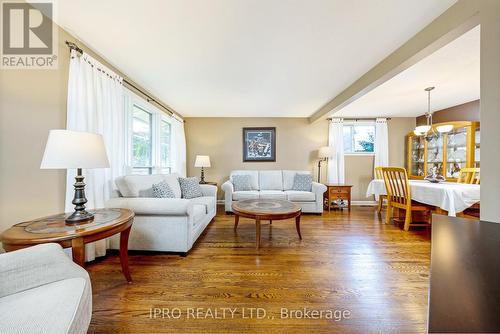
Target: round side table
(106, 223)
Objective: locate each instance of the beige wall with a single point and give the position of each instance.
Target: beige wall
(297, 144)
(359, 168)
(31, 103)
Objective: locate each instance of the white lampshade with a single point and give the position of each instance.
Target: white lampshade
(444, 128)
(67, 149)
(325, 152)
(202, 161)
(422, 129)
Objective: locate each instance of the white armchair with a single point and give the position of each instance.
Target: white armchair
(43, 291)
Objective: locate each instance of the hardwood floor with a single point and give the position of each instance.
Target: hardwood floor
(346, 262)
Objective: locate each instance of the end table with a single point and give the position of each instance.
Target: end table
(337, 191)
(106, 223)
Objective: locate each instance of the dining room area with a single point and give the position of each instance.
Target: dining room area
(443, 175)
(426, 138)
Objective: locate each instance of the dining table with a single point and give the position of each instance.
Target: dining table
(452, 197)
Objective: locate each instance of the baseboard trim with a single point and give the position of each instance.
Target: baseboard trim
(364, 203)
(355, 203)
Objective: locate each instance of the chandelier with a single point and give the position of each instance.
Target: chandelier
(427, 130)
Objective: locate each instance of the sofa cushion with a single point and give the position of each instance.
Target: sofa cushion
(162, 190)
(137, 185)
(173, 183)
(190, 187)
(272, 194)
(270, 180)
(300, 196)
(288, 177)
(253, 173)
(207, 201)
(243, 195)
(152, 206)
(302, 182)
(198, 213)
(242, 182)
(142, 185)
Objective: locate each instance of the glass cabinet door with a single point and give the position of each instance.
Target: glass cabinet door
(456, 151)
(477, 145)
(417, 156)
(435, 156)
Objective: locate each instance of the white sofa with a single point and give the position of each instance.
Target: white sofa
(43, 291)
(275, 184)
(162, 224)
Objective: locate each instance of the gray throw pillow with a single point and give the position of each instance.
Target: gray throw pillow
(190, 187)
(242, 182)
(302, 182)
(162, 190)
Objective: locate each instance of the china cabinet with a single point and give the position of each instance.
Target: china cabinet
(444, 153)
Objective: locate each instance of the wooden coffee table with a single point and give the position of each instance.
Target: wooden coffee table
(266, 209)
(106, 223)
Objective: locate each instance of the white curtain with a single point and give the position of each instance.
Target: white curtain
(96, 104)
(336, 141)
(381, 143)
(178, 147)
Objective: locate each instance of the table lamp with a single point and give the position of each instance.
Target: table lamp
(324, 153)
(202, 161)
(72, 149)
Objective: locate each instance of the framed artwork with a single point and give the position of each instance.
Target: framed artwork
(259, 144)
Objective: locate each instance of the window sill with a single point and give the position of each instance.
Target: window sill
(360, 154)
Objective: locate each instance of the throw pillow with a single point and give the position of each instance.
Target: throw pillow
(242, 182)
(162, 190)
(190, 187)
(302, 182)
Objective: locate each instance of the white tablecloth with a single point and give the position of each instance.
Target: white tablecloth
(450, 196)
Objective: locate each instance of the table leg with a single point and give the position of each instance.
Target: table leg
(270, 222)
(124, 253)
(78, 251)
(297, 226)
(236, 221)
(257, 233)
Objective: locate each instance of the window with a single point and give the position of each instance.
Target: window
(359, 138)
(150, 138)
(142, 141)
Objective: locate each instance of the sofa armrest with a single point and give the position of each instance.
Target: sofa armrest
(152, 206)
(228, 187)
(209, 190)
(318, 189)
(35, 266)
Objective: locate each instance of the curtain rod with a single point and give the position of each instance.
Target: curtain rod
(358, 119)
(75, 47)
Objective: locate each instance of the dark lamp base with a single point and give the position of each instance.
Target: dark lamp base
(80, 217)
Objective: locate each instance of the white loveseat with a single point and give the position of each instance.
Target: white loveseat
(162, 224)
(275, 184)
(43, 291)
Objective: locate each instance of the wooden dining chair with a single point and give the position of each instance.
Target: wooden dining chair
(380, 176)
(399, 195)
(469, 175)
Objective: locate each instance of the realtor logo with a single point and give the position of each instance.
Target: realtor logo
(28, 35)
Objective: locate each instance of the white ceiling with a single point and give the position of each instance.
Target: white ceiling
(246, 57)
(453, 70)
